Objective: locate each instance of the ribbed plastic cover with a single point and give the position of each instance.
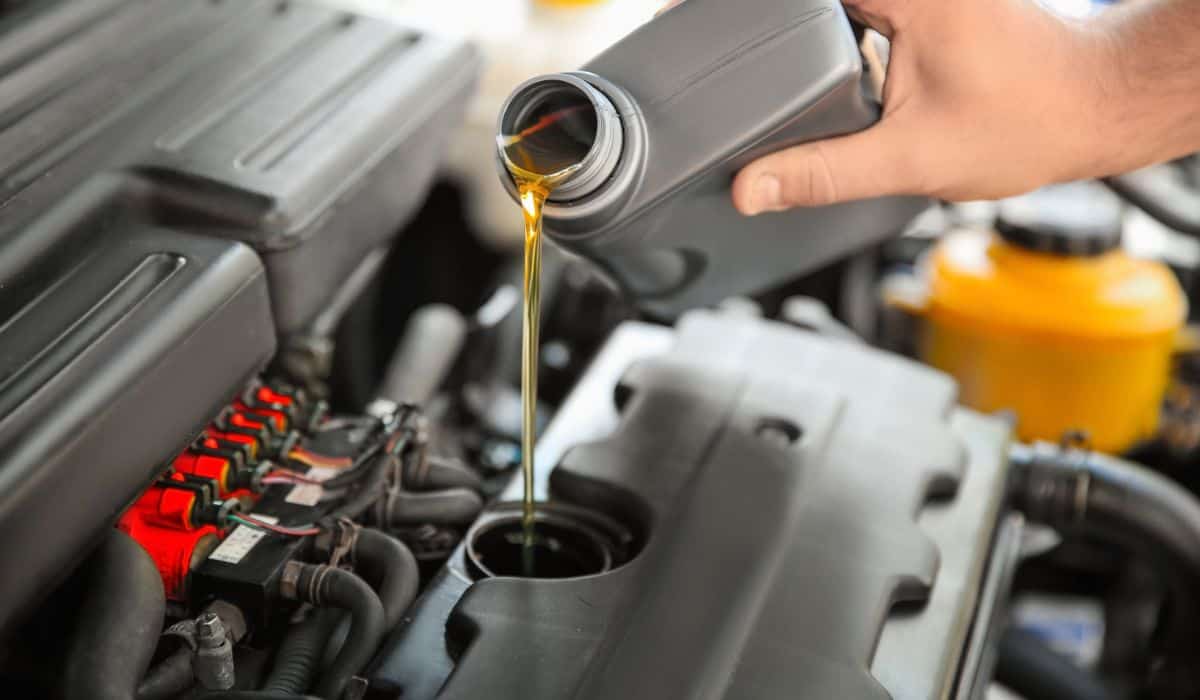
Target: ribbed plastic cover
(310, 133)
(769, 569)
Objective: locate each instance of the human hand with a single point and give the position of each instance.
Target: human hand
(983, 99)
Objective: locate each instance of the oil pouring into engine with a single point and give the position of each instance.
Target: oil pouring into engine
(544, 153)
(629, 160)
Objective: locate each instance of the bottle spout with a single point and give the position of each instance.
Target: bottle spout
(560, 130)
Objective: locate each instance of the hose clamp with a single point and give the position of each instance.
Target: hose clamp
(1077, 446)
(289, 580)
(344, 538)
(315, 585)
(1083, 483)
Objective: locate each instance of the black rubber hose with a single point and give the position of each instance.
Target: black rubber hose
(253, 695)
(1128, 505)
(169, 678)
(301, 651)
(392, 570)
(435, 473)
(1028, 667)
(118, 625)
(1092, 493)
(369, 490)
(1161, 194)
(432, 341)
(325, 586)
(445, 507)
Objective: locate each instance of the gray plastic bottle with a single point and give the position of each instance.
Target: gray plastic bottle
(679, 106)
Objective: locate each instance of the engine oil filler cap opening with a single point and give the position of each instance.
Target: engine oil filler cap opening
(568, 542)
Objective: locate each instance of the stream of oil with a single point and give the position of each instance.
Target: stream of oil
(539, 158)
(533, 198)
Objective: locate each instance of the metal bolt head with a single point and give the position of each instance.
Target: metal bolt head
(213, 662)
(209, 630)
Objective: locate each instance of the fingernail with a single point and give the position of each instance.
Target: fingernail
(767, 195)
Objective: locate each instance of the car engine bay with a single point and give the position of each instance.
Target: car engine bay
(260, 412)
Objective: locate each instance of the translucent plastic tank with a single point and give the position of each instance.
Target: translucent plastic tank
(1049, 318)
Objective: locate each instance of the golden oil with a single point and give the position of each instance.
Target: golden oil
(539, 157)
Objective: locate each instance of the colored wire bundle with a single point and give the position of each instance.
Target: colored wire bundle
(313, 459)
(290, 531)
(287, 476)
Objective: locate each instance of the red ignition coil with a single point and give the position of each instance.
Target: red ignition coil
(177, 519)
(262, 427)
(252, 444)
(209, 467)
(175, 552)
(283, 397)
(236, 453)
(278, 399)
(162, 522)
(276, 419)
(261, 402)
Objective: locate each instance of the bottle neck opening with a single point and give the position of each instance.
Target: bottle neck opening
(563, 130)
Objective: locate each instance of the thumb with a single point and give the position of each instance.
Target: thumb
(869, 163)
(669, 5)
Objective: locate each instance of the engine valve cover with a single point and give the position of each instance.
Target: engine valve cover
(787, 490)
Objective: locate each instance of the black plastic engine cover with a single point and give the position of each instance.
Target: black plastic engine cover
(768, 569)
(307, 132)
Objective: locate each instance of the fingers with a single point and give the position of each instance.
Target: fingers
(884, 16)
(871, 163)
(669, 5)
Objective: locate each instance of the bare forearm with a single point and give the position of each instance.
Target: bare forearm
(1150, 82)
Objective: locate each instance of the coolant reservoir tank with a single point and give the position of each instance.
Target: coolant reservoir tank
(1048, 317)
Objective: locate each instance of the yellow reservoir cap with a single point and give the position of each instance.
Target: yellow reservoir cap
(1065, 342)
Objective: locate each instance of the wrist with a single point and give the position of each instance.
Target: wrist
(1105, 102)
(1142, 103)
(1096, 91)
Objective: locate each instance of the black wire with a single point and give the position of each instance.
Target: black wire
(361, 467)
(356, 472)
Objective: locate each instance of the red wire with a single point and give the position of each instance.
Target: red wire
(315, 460)
(289, 476)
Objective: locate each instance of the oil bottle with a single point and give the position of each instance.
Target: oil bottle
(673, 111)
